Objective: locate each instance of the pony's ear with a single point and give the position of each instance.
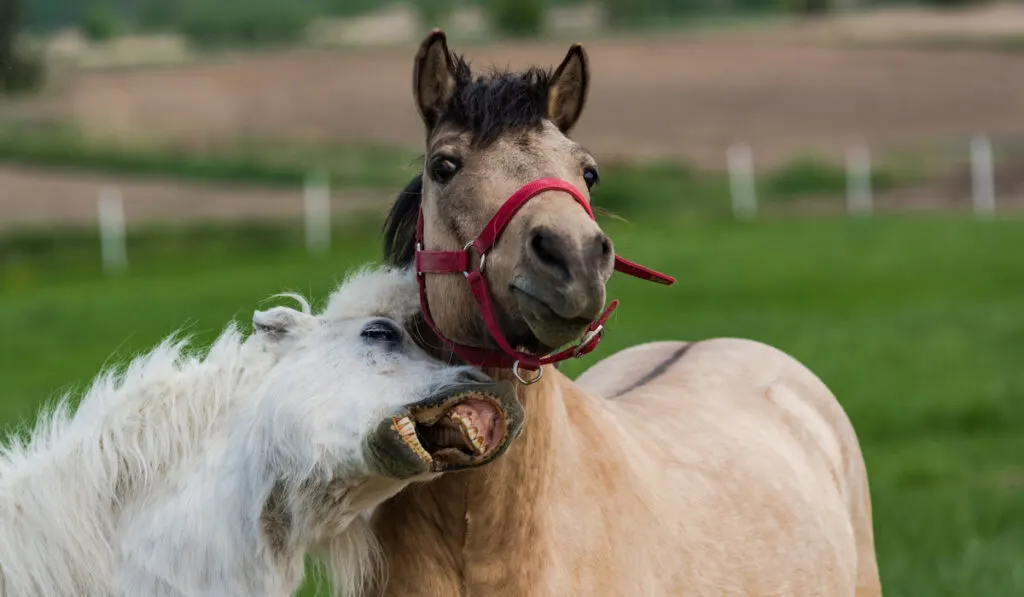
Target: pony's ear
(433, 77)
(279, 324)
(568, 92)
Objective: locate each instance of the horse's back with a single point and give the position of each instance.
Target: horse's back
(715, 381)
(760, 415)
(623, 372)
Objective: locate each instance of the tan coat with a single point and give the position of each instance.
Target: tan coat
(719, 468)
(724, 467)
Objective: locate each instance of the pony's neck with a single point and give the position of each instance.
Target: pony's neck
(202, 535)
(242, 521)
(457, 531)
(64, 490)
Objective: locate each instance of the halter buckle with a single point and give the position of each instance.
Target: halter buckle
(597, 332)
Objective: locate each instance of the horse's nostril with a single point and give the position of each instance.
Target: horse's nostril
(600, 252)
(606, 246)
(549, 249)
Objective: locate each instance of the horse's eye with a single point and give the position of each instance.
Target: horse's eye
(590, 176)
(443, 169)
(382, 331)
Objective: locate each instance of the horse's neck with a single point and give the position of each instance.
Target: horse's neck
(459, 531)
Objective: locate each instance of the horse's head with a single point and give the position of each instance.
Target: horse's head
(352, 388)
(487, 138)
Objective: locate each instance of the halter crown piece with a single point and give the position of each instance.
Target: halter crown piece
(459, 262)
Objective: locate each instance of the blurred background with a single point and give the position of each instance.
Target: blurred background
(842, 179)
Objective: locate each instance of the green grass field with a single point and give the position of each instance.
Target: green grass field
(917, 324)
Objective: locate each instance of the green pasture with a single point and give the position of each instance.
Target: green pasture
(916, 323)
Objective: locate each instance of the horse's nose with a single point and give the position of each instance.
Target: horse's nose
(550, 253)
(557, 257)
(568, 272)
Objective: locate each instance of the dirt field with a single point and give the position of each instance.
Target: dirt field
(667, 97)
(40, 199)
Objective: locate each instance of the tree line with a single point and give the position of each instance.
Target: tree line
(212, 23)
(512, 16)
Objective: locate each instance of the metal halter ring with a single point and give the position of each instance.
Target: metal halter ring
(515, 371)
(483, 257)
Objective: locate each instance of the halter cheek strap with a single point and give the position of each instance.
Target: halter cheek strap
(452, 262)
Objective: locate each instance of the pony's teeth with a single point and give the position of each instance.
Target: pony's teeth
(407, 431)
(470, 432)
(406, 427)
(478, 444)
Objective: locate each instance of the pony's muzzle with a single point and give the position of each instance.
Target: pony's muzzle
(463, 425)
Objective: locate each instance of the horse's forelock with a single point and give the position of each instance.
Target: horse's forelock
(497, 102)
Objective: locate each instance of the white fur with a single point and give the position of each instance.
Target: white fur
(156, 485)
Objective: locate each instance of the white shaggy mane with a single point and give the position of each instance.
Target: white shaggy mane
(372, 292)
(63, 487)
(66, 484)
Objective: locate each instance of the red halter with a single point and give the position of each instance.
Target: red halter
(459, 262)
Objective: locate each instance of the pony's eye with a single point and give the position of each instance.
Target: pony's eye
(443, 169)
(590, 176)
(382, 331)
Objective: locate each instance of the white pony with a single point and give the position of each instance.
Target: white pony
(217, 474)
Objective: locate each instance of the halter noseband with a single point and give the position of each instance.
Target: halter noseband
(459, 262)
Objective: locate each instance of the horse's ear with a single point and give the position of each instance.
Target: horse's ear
(433, 77)
(568, 92)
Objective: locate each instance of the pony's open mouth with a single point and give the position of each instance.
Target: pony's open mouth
(467, 429)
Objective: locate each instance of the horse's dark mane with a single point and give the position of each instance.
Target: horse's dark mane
(400, 226)
(486, 107)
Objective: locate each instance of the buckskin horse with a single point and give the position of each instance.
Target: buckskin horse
(718, 467)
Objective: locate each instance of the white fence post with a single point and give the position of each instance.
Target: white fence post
(858, 179)
(982, 176)
(741, 180)
(110, 208)
(317, 203)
